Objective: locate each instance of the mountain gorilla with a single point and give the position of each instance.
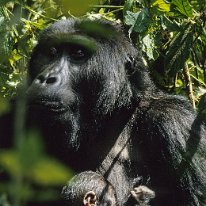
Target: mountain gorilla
(98, 109)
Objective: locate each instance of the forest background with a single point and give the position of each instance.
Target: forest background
(170, 33)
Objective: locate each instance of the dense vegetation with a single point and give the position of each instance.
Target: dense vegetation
(171, 35)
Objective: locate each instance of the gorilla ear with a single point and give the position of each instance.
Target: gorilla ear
(130, 66)
(90, 199)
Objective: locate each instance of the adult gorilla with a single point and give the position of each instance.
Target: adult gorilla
(99, 110)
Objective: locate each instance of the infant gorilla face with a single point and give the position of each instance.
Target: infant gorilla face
(89, 189)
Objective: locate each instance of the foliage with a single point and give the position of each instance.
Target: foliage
(28, 166)
(171, 35)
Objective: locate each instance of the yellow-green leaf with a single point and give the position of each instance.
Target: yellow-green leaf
(9, 160)
(50, 172)
(77, 7)
(161, 5)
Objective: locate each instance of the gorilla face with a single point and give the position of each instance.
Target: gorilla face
(77, 76)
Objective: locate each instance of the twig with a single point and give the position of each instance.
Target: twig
(188, 83)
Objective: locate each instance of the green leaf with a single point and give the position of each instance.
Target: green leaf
(142, 22)
(50, 172)
(183, 7)
(161, 5)
(10, 162)
(179, 51)
(128, 6)
(30, 162)
(149, 46)
(130, 18)
(170, 25)
(139, 21)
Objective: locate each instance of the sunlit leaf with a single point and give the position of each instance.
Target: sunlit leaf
(130, 18)
(183, 7)
(149, 46)
(161, 5)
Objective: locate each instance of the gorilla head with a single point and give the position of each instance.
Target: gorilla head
(82, 77)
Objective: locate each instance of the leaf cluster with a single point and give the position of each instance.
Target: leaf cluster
(171, 35)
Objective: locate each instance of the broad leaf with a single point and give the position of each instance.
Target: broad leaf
(139, 21)
(183, 7)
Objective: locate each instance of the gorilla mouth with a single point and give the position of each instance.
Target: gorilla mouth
(50, 105)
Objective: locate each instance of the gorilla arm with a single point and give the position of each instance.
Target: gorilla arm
(173, 143)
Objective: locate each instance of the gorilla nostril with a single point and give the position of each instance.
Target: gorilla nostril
(40, 79)
(51, 80)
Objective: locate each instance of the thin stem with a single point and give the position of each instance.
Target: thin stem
(189, 86)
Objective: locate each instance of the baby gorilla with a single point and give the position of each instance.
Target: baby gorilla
(91, 189)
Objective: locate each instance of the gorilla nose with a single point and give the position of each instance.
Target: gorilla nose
(46, 80)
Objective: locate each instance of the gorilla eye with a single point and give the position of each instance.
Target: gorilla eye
(78, 53)
(53, 52)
